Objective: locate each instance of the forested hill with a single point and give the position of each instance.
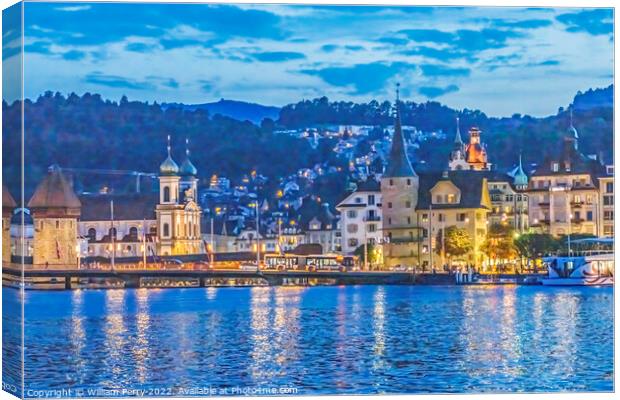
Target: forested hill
(505, 137)
(90, 132)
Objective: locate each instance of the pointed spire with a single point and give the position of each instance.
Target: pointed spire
(457, 139)
(187, 168)
(168, 147)
(572, 132)
(520, 178)
(398, 163)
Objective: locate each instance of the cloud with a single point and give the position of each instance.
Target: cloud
(39, 47)
(522, 24)
(361, 78)
(114, 81)
(434, 70)
(73, 8)
(428, 35)
(443, 54)
(110, 22)
(278, 56)
(436, 91)
(328, 48)
(595, 22)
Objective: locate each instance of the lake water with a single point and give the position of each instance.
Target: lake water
(315, 340)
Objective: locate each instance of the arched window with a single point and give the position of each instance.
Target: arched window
(112, 233)
(166, 194)
(190, 230)
(166, 229)
(133, 233)
(92, 234)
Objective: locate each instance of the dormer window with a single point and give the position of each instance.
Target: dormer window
(555, 167)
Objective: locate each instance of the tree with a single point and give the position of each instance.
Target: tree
(457, 242)
(499, 243)
(373, 255)
(532, 246)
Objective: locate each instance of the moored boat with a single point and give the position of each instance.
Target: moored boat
(588, 270)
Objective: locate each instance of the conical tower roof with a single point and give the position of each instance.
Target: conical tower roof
(55, 193)
(398, 163)
(520, 178)
(457, 139)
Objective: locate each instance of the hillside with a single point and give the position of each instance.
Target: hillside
(90, 132)
(239, 110)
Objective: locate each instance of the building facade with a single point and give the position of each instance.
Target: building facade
(360, 217)
(563, 192)
(8, 205)
(606, 203)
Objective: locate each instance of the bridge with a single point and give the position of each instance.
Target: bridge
(132, 278)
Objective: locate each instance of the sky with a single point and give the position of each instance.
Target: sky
(499, 60)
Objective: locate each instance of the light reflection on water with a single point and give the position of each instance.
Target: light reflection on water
(366, 339)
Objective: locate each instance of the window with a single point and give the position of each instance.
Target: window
(408, 182)
(577, 215)
(441, 217)
(389, 204)
(112, 233)
(438, 198)
(461, 217)
(577, 198)
(166, 194)
(608, 215)
(371, 199)
(407, 204)
(509, 198)
(352, 228)
(589, 199)
(451, 198)
(608, 200)
(352, 242)
(389, 221)
(424, 217)
(391, 182)
(609, 187)
(424, 232)
(358, 200)
(589, 215)
(133, 233)
(352, 214)
(555, 167)
(166, 229)
(409, 220)
(372, 228)
(608, 230)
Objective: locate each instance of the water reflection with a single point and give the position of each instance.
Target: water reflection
(368, 339)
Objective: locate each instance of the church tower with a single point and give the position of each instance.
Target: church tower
(399, 192)
(476, 152)
(55, 210)
(178, 219)
(457, 155)
(8, 205)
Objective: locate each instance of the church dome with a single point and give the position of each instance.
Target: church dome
(168, 167)
(187, 168)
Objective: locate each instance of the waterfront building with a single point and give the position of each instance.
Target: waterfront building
(8, 205)
(563, 192)
(360, 216)
(399, 192)
(320, 226)
(177, 213)
(606, 203)
(452, 198)
(119, 225)
(55, 211)
(509, 200)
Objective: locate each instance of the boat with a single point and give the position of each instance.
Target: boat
(585, 270)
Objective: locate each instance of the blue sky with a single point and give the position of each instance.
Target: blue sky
(500, 60)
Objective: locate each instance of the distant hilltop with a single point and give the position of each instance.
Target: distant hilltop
(594, 98)
(239, 110)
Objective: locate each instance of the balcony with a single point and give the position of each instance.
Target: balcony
(374, 218)
(544, 203)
